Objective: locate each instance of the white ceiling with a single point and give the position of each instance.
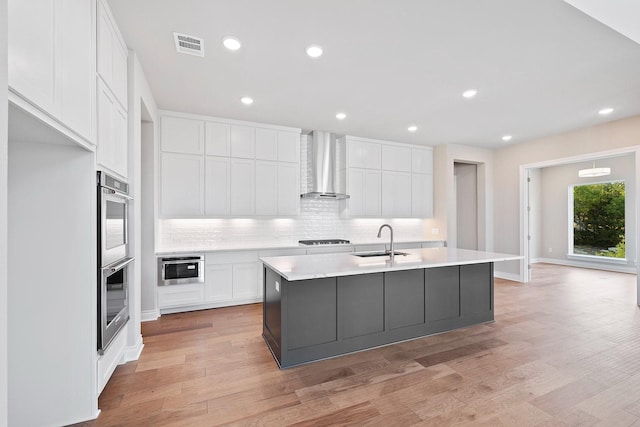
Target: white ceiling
(540, 67)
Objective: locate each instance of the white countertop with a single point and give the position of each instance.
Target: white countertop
(302, 267)
(258, 246)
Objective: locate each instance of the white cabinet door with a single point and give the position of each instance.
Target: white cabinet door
(396, 194)
(111, 55)
(106, 132)
(355, 154)
(112, 132)
(120, 141)
(422, 195)
(182, 185)
(245, 280)
(32, 51)
(371, 193)
(395, 158)
(266, 187)
(218, 282)
(217, 139)
(371, 155)
(180, 135)
(288, 188)
(76, 68)
(288, 147)
(217, 184)
(266, 144)
(243, 142)
(421, 161)
(51, 59)
(363, 154)
(242, 187)
(356, 191)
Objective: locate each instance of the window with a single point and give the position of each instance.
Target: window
(597, 214)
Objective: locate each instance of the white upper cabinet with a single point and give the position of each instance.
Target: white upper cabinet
(422, 195)
(363, 154)
(266, 187)
(217, 139)
(247, 171)
(112, 132)
(243, 140)
(421, 160)
(289, 146)
(401, 186)
(217, 186)
(181, 135)
(266, 144)
(51, 59)
(112, 54)
(288, 188)
(182, 185)
(396, 158)
(243, 187)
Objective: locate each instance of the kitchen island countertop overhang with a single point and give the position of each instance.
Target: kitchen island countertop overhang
(303, 267)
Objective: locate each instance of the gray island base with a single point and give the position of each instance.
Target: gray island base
(312, 319)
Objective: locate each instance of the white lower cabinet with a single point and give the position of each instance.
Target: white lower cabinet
(218, 280)
(244, 280)
(231, 277)
(180, 295)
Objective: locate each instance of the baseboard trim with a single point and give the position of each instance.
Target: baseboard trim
(133, 352)
(149, 315)
(591, 265)
(182, 309)
(507, 276)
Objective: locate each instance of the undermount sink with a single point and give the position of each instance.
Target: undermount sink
(380, 253)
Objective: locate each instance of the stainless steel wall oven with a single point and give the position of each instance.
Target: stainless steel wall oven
(113, 257)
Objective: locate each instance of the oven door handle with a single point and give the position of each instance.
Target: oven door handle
(118, 266)
(117, 193)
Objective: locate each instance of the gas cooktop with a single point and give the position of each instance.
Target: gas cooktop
(324, 242)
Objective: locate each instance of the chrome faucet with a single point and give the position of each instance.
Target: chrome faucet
(391, 251)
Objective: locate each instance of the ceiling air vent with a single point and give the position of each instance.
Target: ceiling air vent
(189, 44)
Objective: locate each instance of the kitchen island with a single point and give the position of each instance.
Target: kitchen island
(320, 306)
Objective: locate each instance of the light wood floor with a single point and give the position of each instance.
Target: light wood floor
(564, 350)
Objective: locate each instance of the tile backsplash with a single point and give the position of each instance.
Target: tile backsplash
(318, 219)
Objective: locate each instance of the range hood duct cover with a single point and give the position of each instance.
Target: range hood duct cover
(323, 167)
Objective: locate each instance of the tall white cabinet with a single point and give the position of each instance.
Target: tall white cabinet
(388, 179)
(51, 61)
(111, 82)
(243, 169)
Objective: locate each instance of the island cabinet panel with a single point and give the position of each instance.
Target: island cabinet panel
(361, 304)
(404, 299)
(311, 313)
(442, 293)
(476, 289)
(272, 311)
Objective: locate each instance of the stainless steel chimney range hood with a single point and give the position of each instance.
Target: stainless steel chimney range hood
(323, 152)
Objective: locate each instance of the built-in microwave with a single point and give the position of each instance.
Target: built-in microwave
(113, 202)
(180, 270)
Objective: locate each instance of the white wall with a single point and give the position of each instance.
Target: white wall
(507, 161)
(466, 205)
(535, 216)
(445, 156)
(148, 300)
(139, 93)
(3, 213)
(555, 182)
(52, 277)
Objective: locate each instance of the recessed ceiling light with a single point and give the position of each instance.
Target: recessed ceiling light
(605, 111)
(507, 138)
(246, 100)
(341, 116)
(412, 128)
(231, 43)
(469, 93)
(314, 51)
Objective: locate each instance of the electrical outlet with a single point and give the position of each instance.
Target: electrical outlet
(550, 250)
(277, 286)
(435, 231)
